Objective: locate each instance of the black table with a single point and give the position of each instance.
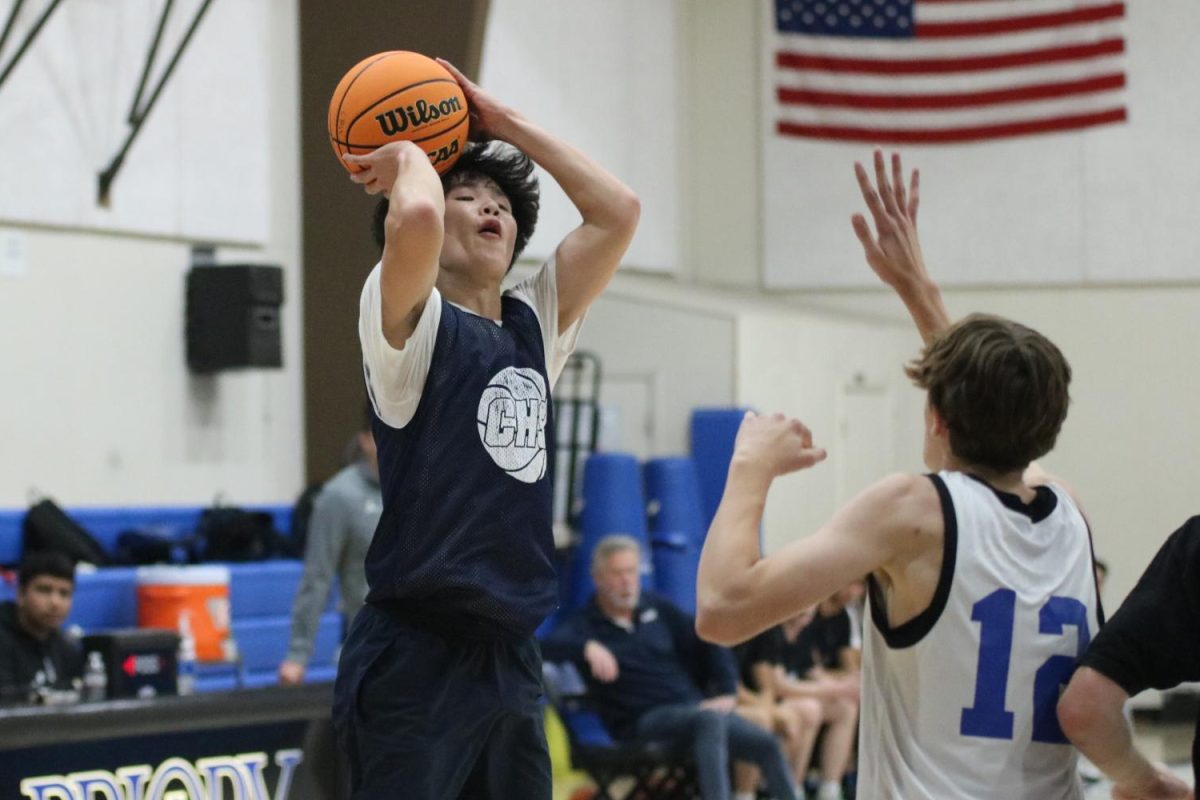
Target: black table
(259, 744)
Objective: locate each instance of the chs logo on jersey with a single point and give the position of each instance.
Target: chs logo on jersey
(512, 422)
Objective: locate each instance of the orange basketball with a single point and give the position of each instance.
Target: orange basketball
(399, 95)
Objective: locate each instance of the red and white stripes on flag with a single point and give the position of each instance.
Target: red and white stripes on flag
(946, 71)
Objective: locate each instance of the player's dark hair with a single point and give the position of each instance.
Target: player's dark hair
(507, 167)
(45, 562)
(1000, 387)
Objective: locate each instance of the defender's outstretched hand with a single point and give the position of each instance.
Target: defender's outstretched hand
(893, 251)
(776, 444)
(488, 115)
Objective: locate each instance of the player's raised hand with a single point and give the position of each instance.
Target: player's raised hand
(776, 443)
(893, 249)
(377, 170)
(488, 115)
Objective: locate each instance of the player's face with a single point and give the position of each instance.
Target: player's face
(44, 603)
(480, 231)
(618, 580)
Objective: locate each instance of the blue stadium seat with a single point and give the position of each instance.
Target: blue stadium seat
(262, 644)
(676, 560)
(10, 535)
(216, 677)
(268, 588)
(263, 589)
(673, 503)
(105, 598)
(613, 502)
(713, 434)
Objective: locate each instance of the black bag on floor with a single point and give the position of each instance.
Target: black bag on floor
(229, 533)
(150, 545)
(47, 527)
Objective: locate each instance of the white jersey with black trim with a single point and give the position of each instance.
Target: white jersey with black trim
(960, 702)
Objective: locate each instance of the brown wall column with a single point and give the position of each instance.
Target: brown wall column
(338, 251)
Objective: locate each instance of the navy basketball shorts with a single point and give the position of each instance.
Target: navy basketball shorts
(425, 713)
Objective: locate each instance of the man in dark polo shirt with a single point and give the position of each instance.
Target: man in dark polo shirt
(653, 678)
(1152, 642)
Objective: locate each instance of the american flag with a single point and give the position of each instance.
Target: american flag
(946, 71)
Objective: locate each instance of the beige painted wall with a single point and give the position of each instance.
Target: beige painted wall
(97, 406)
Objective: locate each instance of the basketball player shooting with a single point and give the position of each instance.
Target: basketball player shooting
(438, 688)
(982, 589)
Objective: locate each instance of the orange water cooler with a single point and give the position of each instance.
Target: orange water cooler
(165, 594)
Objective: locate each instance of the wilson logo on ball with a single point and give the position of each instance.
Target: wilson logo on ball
(420, 113)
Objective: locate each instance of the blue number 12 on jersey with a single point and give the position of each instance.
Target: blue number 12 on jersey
(996, 616)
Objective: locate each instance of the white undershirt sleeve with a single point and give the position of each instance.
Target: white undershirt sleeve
(395, 378)
(540, 292)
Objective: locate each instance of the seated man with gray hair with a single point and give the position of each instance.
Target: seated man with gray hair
(652, 678)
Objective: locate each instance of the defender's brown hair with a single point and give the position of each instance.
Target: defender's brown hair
(1000, 387)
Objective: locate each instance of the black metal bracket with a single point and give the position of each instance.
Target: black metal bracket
(137, 116)
(10, 23)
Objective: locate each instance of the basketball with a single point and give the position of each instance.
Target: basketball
(399, 95)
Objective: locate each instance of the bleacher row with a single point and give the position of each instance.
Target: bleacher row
(260, 595)
(664, 503)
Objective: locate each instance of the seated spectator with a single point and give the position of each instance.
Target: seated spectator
(344, 516)
(34, 654)
(797, 677)
(797, 722)
(835, 633)
(648, 673)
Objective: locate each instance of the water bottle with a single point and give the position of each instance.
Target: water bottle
(185, 677)
(95, 679)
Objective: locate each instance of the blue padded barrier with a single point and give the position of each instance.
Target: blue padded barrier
(713, 433)
(673, 502)
(10, 535)
(105, 598)
(613, 502)
(267, 588)
(676, 558)
(217, 677)
(262, 642)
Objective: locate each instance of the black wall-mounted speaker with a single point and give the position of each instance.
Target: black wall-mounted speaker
(233, 317)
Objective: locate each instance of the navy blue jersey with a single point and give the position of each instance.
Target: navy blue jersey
(467, 483)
